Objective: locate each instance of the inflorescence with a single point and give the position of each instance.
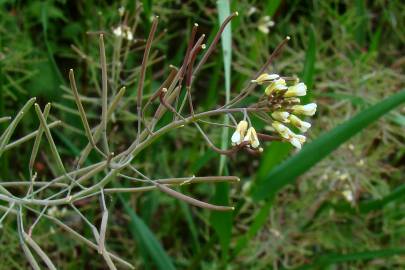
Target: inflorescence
(283, 101)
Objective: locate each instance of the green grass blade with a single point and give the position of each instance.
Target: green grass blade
(309, 65)
(185, 209)
(367, 206)
(222, 222)
(226, 42)
(361, 29)
(51, 58)
(147, 240)
(312, 153)
(272, 7)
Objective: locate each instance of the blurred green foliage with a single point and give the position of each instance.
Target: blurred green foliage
(350, 54)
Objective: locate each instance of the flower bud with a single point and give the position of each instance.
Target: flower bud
(117, 31)
(238, 135)
(298, 90)
(308, 109)
(251, 137)
(301, 125)
(281, 116)
(277, 85)
(284, 131)
(265, 77)
(297, 140)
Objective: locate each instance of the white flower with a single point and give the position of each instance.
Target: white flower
(121, 11)
(276, 85)
(238, 135)
(123, 31)
(284, 131)
(52, 211)
(308, 109)
(117, 31)
(265, 77)
(297, 140)
(129, 35)
(301, 125)
(296, 143)
(264, 24)
(281, 116)
(251, 10)
(251, 137)
(298, 90)
(348, 194)
(55, 212)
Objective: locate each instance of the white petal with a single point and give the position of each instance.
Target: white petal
(304, 126)
(297, 90)
(308, 109)
(280, 116)
(273, 76)
(296, 143)
(235, 139)
(118, 31)
(301, 138)
(241, 127)
(129, 35)
(255, 144)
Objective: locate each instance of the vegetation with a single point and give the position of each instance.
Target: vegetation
(110, 122)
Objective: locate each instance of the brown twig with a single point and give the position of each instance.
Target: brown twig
(214, 42)
(268, 138)
(251, 85)
(168, 106)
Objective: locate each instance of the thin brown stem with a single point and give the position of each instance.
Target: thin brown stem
(214, 43)
(245, 92)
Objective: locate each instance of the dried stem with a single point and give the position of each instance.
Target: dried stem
(104, 94)
(51, 142)
(142, 74)
(245, 92)
(82, 112)
(214, 43)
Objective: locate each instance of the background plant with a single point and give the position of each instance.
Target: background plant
(357, 63)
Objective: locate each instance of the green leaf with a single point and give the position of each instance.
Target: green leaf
(146, 239)
(273, 154)
(320, 148)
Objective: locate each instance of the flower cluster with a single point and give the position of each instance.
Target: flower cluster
(123, 31)
(284, 101)
(245, 134)
(265, 23)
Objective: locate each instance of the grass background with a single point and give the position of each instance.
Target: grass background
(349, 53)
